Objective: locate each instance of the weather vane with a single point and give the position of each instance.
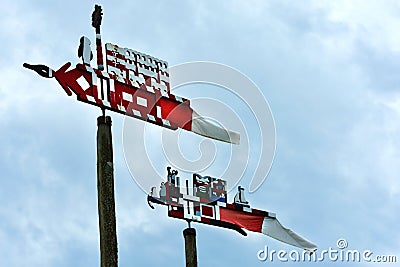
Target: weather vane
(133, 83)
(203, 199)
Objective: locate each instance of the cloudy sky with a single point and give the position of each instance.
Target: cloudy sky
(328, 69)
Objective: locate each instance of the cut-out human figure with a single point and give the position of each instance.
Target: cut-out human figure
(163, 191)
(84, 50)
(239, 197)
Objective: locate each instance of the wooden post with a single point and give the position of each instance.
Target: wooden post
(105, 194)
(190, 247)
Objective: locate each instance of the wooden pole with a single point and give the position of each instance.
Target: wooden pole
(105, 194)
(190, 247)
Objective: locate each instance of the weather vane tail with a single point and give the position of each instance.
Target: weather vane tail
(97, 16)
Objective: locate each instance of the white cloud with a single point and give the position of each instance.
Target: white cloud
(42, 212)
(373, 22)
(369, 155)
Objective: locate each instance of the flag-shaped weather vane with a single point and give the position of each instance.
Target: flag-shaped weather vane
(134, 84)
(203, 199)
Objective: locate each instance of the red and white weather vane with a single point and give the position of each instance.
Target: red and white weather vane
(131, 83)
(204, 199)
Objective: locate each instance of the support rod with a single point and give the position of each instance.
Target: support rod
(105, 194)
(190, 247)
